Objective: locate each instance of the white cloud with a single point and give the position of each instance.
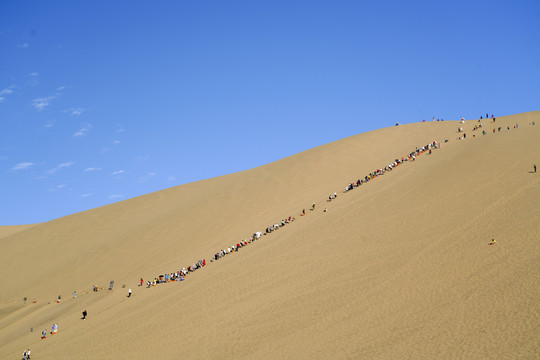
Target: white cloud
(23, 166)
(83, 130)
(33, 74)
(86, 195)
(42, 103)
(60, 166)
(60, 186)
(60, 88)
(120, 129)
(66, 164)
(147, 177)
(92, 169)
(142, 157)
(118, 172)
(23, 46)
(115, 196)
(6, 91)
(116, 142)
(75, 111)
(49, 124)
(171, 178)
(105, 150)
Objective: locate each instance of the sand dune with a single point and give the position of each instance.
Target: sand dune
(5, 231)
(399, 268)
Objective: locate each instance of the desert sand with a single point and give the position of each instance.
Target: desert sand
(399, 268)
(10, 230)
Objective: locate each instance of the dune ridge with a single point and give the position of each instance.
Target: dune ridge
(343, 283)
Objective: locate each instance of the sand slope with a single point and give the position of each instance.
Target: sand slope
(6, 231)
(399, 268)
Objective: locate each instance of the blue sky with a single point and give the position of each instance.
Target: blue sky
(101, 101)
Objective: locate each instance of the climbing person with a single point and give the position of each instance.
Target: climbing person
(84, 313)
(534, 167)
(129, 293)
(43, 334)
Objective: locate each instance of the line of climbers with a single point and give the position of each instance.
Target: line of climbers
(410, 157)
(479, 126)
(181, 274)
